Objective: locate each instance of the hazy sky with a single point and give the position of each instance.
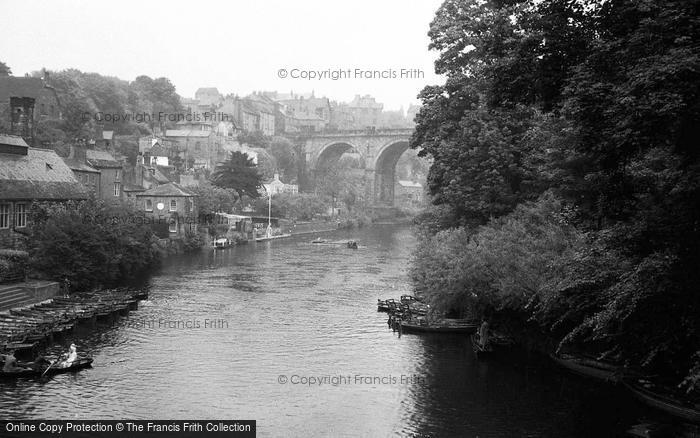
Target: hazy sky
(236, 46)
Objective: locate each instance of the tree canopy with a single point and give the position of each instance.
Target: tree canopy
(239, 173)
(595, 104)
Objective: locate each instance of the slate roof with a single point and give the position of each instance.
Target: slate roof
(39, 175)
(169, 189)
(80, 166)
(13, 140)
(101, 159)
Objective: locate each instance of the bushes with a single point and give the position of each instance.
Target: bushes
(89, 243)
(13, 265)
(193, 242)
(504, 265)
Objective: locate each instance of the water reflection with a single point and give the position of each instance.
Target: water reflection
(299, 310)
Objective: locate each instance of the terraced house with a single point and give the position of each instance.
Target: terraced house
(29, 175)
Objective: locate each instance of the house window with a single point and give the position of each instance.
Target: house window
(172, 225)
(43, 109)
(173, 205)
(4, 215)
(117, 174)
(20, 215)
(149, 205)
(51, 110)
(117, 189)
(197, 146)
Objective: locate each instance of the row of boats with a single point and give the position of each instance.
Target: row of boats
(24, 331)
(665, 398)
(409, 314)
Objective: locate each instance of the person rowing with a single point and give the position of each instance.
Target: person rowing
(10, 365)
(69, 358)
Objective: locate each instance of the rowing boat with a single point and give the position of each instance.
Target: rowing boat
(35, 370)
(663, 399)
(440, 326)
(589, 367)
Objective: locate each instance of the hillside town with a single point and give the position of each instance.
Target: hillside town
(157, 174)
(448, 218)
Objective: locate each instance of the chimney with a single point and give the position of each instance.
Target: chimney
(78, 152)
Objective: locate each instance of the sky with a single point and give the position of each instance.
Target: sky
(236, 46)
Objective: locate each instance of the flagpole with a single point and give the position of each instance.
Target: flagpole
(269, 213)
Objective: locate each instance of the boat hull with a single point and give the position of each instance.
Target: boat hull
(438, 328)
(39, 370)
(663, 403)
(589, 368)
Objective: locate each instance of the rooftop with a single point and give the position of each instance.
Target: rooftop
(169, 189)
(40, 175)
(103, 159)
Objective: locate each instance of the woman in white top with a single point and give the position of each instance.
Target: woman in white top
(71, 357)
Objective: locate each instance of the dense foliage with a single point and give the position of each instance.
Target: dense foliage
(89, 243)
(239, 173)
(566, 180)
(90, 99)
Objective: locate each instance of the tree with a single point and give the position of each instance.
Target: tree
(599, 101)
(213, 199)
(238, 173)
(4, 69)
(285, 156)
(90, 243)
(255, 139)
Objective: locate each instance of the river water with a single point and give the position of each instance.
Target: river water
(287, 333)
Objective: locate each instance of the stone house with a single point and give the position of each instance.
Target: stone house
(83, 172)
(171, 207)
(276, 186)
(28, 175)
(111, 174)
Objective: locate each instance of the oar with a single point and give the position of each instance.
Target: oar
(47, 368)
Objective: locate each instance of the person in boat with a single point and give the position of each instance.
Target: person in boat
(41, 361)
(70, 357)
(484, 333)
(10, 365)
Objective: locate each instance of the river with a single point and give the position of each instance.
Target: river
(287, 333)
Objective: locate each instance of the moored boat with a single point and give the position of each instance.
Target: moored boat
(37, 370)
(439, 326)
(664, 399)
(385, 305)
(589, 367)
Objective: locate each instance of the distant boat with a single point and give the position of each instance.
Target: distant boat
(664, 399)
(589, 367)
(222, 243)
(352, 244)
(278, 236)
